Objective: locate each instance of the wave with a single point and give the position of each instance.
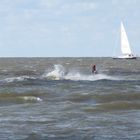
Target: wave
(30, 98)
(18, 79)
(8, 99)
(114, 106)
(60, 73)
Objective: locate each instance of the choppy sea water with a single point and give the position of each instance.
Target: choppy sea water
(59, 98)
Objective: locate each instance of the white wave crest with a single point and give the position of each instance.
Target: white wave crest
(18, 79)
(77, 76)
(59, 73)
(31, 98)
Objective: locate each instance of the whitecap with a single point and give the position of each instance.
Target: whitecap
(30, 98)
(17, 79)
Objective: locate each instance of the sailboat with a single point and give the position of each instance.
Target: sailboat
(125, 47)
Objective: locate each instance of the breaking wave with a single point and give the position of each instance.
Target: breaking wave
(18, 79)
(13, 98)
(30, 98)
(60, 73)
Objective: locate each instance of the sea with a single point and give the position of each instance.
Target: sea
(61, 99)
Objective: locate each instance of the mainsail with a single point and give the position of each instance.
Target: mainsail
(125, 47)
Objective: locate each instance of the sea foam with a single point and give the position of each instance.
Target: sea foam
(59, 73)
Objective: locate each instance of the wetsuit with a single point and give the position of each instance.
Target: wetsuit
(94, 69)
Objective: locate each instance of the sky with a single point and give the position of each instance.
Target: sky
(67, 28)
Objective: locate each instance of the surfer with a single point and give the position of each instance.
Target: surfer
(94, 71)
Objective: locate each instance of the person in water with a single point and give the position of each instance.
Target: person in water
(94, 69)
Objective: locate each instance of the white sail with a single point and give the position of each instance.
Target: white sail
(125, 47)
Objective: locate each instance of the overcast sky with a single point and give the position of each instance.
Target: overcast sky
(73, 28)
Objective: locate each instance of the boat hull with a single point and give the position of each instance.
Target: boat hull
(125, 57)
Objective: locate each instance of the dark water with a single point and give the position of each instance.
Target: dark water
(59, 98)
